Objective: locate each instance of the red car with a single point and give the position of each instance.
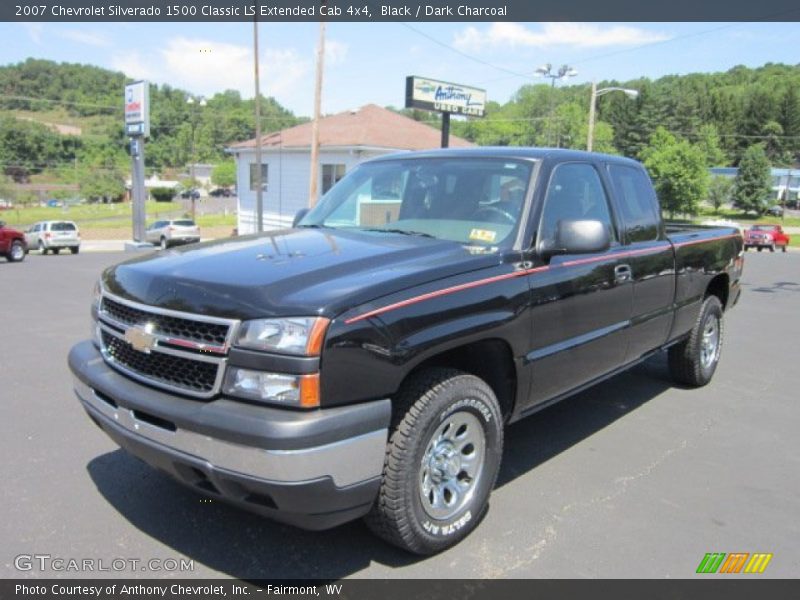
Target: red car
(765, 236)
(12, 243)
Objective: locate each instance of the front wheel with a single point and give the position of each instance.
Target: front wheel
(42, 249)
(164, 245)
(441, 462)
(55, 250)
(694, 360)
(772, 248)
(783, 248)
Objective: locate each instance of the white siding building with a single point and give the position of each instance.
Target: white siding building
(346, 139)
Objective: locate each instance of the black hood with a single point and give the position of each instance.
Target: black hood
(292, 272)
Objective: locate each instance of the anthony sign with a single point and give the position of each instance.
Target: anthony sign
(445, 97)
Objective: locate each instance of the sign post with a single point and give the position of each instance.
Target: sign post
(446, 98)
(137, 126)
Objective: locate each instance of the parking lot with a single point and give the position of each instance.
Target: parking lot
(633, 478)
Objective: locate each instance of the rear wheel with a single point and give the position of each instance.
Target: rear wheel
(783, 248)
(55, 250)
(164, 244)
(746, 248)
(772, 248)
(441, 462)
(694, 360)
(760, 248)
(75, 249)
(17, 252)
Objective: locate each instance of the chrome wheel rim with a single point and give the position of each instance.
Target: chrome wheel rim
(452, 465)
(17, 252)
(709, 345)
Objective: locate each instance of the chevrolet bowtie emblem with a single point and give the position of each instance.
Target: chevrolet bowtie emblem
(141, 338)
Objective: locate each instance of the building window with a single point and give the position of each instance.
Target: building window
(331, 174)
(254, 177)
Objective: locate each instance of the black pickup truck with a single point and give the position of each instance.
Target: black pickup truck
(364, 362)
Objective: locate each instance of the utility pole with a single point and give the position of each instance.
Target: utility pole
(592, 102)
(313, 179)
(259, 183)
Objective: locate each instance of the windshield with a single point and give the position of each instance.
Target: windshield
(473, 201)
(763, 227)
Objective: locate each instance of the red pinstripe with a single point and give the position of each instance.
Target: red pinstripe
(488, 280)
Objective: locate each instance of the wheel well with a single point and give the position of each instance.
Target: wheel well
(490, 360)
(719, 287)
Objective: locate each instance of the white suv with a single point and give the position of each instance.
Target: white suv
(52, 236)
(170, 233)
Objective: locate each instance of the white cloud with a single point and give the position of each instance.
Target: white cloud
(335, 52)
(207, 67)
(579, 35)
(34, 32)
(86, 37)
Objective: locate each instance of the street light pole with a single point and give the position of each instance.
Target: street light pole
(592, 107)
(563, 71)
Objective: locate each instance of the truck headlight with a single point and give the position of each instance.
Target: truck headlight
(296, 335)
(301, 391)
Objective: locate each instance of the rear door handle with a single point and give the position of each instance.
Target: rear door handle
(622, 273)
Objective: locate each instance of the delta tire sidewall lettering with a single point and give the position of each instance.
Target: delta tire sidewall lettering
(469, 400)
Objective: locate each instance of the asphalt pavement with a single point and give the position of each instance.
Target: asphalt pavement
(633, 478)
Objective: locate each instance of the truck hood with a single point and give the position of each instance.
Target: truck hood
(291, 272)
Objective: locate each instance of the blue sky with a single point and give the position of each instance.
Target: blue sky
(368, 62)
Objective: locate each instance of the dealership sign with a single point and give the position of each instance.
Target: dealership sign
(442, 96)
(137, 108)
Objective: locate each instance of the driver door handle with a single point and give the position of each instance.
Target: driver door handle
(622, 273)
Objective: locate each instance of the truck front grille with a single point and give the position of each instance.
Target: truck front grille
(182, 373)
(186, 329)
(182, 352)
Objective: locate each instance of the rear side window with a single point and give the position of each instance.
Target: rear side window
(575, 193)
(62, 227)
(637, 203)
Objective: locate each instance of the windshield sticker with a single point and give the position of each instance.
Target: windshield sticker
(482, 235)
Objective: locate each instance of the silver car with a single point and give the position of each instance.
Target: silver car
(52, 236)
(172, 232)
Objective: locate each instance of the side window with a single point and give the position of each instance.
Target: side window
(575, 194)
(637, 203)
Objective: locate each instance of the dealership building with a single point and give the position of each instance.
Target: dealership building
(345, 140)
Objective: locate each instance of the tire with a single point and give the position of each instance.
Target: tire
(694, 361)
(431, 496)
(55, 250)
(74, 249)
(164, 244)
(746, 248)
(17, 252)
(42, 249)
(772, 248)
(783, 248)
(760, 248)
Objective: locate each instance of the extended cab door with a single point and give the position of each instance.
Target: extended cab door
(580, 304)
(649, 256)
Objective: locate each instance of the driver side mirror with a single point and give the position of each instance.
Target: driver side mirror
(577, 237)
(299, 216)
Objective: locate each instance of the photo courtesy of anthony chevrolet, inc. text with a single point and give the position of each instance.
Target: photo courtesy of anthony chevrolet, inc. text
(399, 299)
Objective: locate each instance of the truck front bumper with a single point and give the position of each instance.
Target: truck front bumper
(314, 469)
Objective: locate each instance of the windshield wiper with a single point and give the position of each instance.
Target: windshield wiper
(400, 231)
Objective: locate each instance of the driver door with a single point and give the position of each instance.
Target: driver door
(581, 303)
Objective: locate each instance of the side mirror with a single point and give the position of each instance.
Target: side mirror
(577, 237)
(299, 216)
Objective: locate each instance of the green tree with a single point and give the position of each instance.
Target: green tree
(224, 174)
(104, 185)
(752, 187)
(708, 140)
(679, 172)
(719, 191)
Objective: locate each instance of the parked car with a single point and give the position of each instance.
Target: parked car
(52, 236)
(366, 362)
(221, 193)
(172, 232)
(763, 235)
(6, 204)
(193, 194)
(775, 211)
(12, 243)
